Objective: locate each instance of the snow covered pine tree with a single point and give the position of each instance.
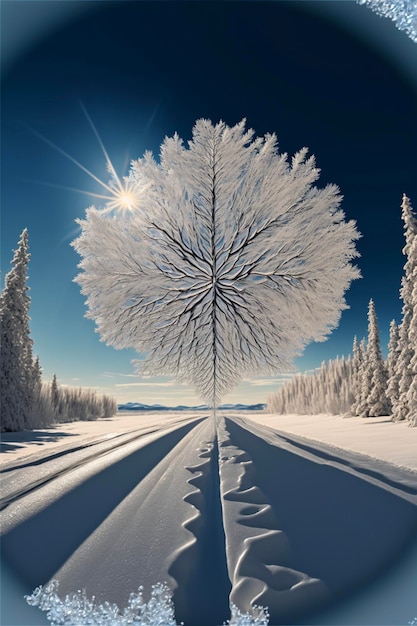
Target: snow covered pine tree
(16, 362)
(225, 262)
(412, 334)
(393, 355)
(374, 401)
(406, 345)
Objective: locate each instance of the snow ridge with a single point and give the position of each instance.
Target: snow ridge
(182, 559)
(198, 566)
(258, 555)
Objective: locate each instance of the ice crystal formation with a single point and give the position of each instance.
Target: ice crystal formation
(230, 262)
(402, 12)
(77, 609)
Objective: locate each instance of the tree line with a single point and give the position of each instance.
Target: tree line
(26, 401)
(365, 384)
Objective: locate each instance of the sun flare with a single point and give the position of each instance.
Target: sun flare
(120, 194)
(124, 198)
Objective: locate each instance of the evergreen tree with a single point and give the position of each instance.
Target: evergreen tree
(16, 364)
(357, 368)
(54, 391)
(393, 355)
(412, 390)
(406, 349)
(365, 379)
(35, 418)
(25, 401)
(377, 401)
(374, 401)
(37, 374)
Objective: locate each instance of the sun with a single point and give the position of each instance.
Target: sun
(126, 200)
(120, 194)
(125, 197)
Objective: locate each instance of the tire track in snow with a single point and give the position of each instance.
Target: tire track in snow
(36, 458)
(393, 478)
(339, 525)
(400, 481)
(13, 494)
(19, 482)
(258, 554)
(199, 566)
(161, 530)
(44, 528)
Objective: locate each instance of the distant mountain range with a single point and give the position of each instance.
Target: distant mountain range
(138, 406)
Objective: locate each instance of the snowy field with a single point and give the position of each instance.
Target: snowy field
(376, 437)
(394, 443)
(16, 446)
(312, 516)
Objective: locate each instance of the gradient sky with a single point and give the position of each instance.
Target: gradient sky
(329, 75)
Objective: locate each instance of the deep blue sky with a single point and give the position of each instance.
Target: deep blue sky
(331, 75)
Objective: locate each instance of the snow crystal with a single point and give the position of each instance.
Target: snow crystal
(77, 609)
(259, 618)
(402, 12)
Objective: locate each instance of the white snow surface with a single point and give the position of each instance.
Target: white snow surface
(376, 437)
(65, 436)
(288, 513)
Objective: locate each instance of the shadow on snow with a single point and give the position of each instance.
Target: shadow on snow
(341, 529)
(38, 547)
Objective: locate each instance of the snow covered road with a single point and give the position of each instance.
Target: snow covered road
(237, 511)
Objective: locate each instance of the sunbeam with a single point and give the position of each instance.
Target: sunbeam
(122, 194)
(109, 164)
(67, 188)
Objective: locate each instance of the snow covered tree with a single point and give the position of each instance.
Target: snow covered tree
(54, 392)
(378, 402)
(36, 374)
(358, 382)
(25, 401)
(411, 396)
(34, 418)
(393, 355)
(326, 390)
(365, 380)
(16, 364)
(406, 347)
(358, 351)
(226, 264)
(374, 401)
